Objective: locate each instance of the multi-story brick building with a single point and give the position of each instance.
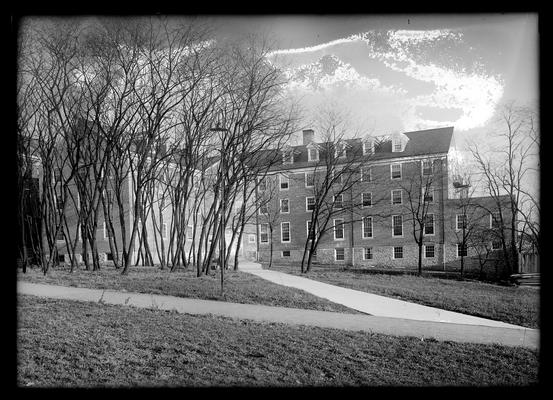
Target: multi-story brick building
(396, 175)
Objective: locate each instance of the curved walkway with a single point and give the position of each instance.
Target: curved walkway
(389, 326)
(369, 303)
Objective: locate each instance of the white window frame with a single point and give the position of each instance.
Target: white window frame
(431, 167)
(307, 203)
(306, 174)
(394, 253)
(363, 199)
(285, 212)
(363, 228)
(370, 149)
(392, 171)
(261, 233)
(500, 245)
(364, 175)
(433, 225)
(396, 142)
(336, 253)
(341, 202)
(341, 227)
(457, 229)
(365, 253)
(251, 238)
(280, 181)
(282, 232)
(307, 229)
(309, 150)
(342, 149)
(261, 209)
(429, 190)
(498, 220)
(282, 254)
(400, 197)
(393, 216)
(434, 250)
(106, 231)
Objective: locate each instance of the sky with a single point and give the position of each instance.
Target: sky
(404, 72)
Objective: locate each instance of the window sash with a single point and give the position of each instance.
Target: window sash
(367, 199)
(397, 196)
(339, 254)
(284, 182)
(338, 201)
(366, 174)
(368, 253)
(339, 228)
(397, 223)
(427, 167)
(367, 227)
(309, 179)
(264, 233)
(461, 222)
(429, 251)
(461, 250)
(284, 209)
(395, 171)
(309, 203)
(398, 252)
(429, 224)
(285, 232)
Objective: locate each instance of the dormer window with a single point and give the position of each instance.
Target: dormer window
(368, 147)
(339, 150)
(312, 153)
(396, 145)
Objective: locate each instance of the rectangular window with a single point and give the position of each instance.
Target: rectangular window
(429, 224)
(313, 154)
(367, 147)
(395, 171)
(251, 238)
(284, 182)
(461, 222)
(367, 227)
(366, 174)
(497, 245)
(284, 206)
(286, 253)
(397, 225)
(368, 253)
(429, 251)
(263, 209)
(109, 257)
(340, 150)
(427, 167)
(309, 203)
(367, 199)
(309, 179)
(397, 196)
(61, 258)
(338, 229)
(495, 220)
(311, 235)
(461, 250)
(428, 195)
(398, 252)
(338, 201)
(264, 233)
(397, 145)
(164, 231)
(339, 254)
(285, 232)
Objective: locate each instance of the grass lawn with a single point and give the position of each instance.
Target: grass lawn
(240, 287)
(65, 343)
(511, 304)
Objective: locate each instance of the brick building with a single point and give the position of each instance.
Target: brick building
(395, 174)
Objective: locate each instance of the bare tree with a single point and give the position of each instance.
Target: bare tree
(505, 170)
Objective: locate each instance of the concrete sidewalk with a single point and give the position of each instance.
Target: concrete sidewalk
(524, 337)
(372, 304)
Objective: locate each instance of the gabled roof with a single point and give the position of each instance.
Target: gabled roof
(421, 143)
